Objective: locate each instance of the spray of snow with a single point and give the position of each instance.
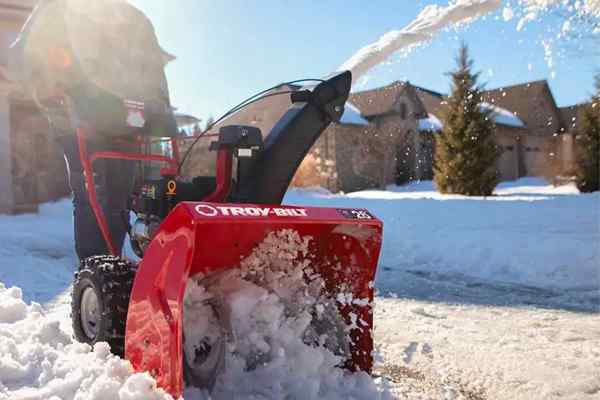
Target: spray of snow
(428, 23)
(580, 18)
(580, 8)
(276, 307)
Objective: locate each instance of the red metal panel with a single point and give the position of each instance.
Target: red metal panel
(207, 237)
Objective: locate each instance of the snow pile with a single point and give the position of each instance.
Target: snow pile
(38, 361)
(352, 115)
(273, 313)
(528, 233)
(502, 116)
(431, 123)
(430, 21)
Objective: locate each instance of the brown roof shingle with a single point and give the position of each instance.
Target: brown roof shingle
(377, 101)
(532, 102)
(433, 101)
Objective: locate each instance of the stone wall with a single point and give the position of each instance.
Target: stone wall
(38, 166)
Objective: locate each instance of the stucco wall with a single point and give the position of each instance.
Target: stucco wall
(6, 183)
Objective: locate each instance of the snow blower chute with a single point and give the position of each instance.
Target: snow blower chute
(205, 226)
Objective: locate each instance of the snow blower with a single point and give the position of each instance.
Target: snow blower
(205, 226)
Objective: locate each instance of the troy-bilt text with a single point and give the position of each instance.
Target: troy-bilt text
(212, 211)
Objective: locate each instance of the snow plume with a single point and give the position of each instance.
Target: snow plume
(579, 7)
(576, 20)
(274, 306)
(531, 10)
(38, 361)
(430, 21)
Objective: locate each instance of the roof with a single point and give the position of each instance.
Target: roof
(185, 119)
(532, 102)
(378, 101)
(431, 124)
(502, 116)
(352, 115)
(433, 101)
(528, 105)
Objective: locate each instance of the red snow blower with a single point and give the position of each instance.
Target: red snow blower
(205, 225)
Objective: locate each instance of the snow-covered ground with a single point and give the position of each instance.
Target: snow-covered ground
(529, 233)
(494, 298)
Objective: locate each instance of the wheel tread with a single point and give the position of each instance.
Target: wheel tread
(113, 278)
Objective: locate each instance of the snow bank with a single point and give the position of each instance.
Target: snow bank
(430, 21)
(529, 233)
(273, 313)
(38, 361)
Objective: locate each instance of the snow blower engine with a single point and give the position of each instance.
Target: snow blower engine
(205, 226)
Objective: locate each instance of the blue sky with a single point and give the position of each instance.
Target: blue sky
(227, 50)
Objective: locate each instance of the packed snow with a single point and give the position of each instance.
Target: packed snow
(275, 315)
(467, 289)
(39, 361)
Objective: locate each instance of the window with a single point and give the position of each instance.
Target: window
(402, 110)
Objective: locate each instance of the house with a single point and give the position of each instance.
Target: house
(394, 143)
(32, 169)
(387, 135)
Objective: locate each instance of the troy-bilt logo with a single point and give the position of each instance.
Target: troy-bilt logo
(212, 211)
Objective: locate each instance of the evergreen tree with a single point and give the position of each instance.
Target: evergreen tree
(588, 140)
(209, 121)
(466, 150)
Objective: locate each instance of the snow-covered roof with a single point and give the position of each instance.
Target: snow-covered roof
(502, 116)
(499, 115)
(352, 115)
(431, 123)
(185, 119)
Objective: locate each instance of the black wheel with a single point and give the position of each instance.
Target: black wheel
(205, 360)
(100, 300)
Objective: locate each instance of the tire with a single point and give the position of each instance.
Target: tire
(100, 300)
(203, 366)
